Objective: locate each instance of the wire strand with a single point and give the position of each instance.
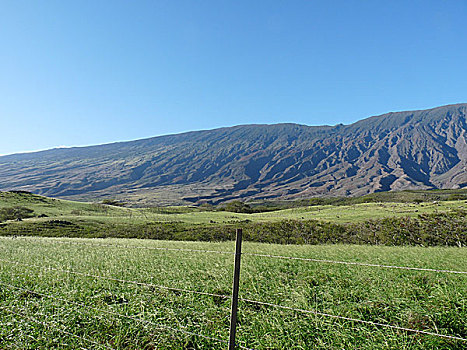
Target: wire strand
(125, 281)
(151, 285)
(354, 263)
(263, 255)
(244, 299)
(58, 329)
(251, 301)
(113, 313)
(351, 319)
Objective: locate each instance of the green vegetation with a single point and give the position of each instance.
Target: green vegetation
(113, 202)
(15, 213)
(389, 223)
(428, 301)
(237, 207)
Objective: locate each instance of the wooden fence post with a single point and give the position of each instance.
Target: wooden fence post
(236, 279)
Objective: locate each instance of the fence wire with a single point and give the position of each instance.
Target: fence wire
(58, 329)
(355, 263)
(251, 301)
(150, 285)
(318, 313)
(113, 313)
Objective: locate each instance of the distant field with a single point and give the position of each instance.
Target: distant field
(390, 223)
(63, 209)
(429, 301)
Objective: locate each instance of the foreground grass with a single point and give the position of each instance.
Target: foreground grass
(422, 300)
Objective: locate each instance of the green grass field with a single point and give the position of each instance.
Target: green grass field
(69, 210)
(431, 223)
(429, 301)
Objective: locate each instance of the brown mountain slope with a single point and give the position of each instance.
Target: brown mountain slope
(394, 151)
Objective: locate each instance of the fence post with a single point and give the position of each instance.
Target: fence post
(236, 279)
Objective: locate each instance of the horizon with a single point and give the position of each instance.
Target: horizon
(93, 73)
(216, 128)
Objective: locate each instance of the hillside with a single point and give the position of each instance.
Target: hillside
(395, 151)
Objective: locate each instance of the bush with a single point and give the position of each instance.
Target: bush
(15, 213)
(457, 197)
(113, 202)
(237, 207)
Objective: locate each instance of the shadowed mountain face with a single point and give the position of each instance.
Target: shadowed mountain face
(395, 151)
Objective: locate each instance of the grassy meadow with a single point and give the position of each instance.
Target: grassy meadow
(401, 222)
(70, 210)
(420, 300)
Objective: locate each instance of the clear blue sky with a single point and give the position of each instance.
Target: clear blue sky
(90, 72)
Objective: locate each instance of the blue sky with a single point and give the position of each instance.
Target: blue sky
(90, 72)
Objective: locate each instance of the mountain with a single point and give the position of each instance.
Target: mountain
(424, 149)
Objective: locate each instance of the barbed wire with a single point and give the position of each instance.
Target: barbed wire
(113, 313)
(377, 324)
(55, 299)
(58, 329)
(354, 263)
(318, 313)
(117, 279)
(251, 301)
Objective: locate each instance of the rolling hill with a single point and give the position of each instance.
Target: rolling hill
(424, 149)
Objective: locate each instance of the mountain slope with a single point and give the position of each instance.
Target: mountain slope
(394, 151)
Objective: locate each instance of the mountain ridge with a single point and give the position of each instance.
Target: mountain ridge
(421, 149)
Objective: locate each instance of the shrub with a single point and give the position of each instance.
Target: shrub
(15, 213)
(237, 207)
(113, 202)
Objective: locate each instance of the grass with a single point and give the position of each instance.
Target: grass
(421, 300)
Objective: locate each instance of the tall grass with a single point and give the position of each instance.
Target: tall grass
(421, 300)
